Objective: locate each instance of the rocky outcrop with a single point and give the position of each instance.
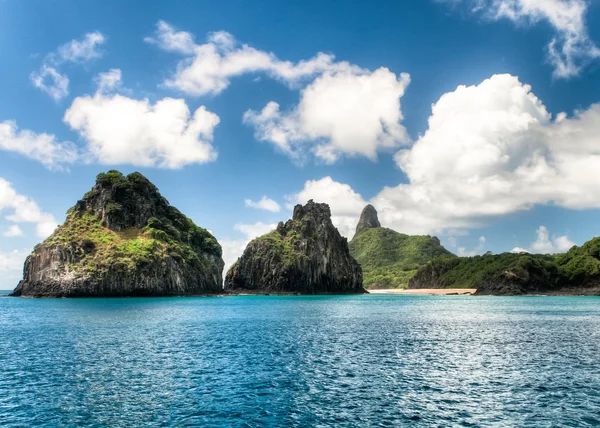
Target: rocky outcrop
(368, 220)
(124, 239)
(305, 255)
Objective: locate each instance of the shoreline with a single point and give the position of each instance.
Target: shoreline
(427, 291)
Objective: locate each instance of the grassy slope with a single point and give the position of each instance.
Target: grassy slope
(389, 259)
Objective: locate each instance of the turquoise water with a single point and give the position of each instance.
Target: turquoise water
(274, 361)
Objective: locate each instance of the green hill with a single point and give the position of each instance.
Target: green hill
(574, 272)
(389, 259)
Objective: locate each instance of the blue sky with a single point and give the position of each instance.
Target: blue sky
(224, 104)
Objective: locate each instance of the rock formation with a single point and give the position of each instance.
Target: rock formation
(124, 239)
(368, 220)
(388, 258)
(305, 255)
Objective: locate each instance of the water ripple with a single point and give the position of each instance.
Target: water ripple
(301, 361)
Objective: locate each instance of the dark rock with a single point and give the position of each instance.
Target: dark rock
(305, 255)
(124, 239)
(368, 219)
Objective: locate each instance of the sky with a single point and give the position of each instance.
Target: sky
(473, 120)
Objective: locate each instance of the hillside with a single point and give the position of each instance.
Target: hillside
(388, 258)
(574, 272)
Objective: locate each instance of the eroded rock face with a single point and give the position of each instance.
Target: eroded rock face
(368, 219)
(305, 255)
(124, 239)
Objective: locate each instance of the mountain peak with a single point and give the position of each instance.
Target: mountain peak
(368, 219)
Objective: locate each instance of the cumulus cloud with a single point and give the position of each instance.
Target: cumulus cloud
(264, 204)
(43, 148)
(208, 68)
(352, 112)
(233, 248)
(56, 84)
(13, 231)
(17, 208)
(571, 47)
(544, 244)
(344, 110)
(122, 130)
(489, 150)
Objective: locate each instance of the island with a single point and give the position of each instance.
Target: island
(305, 255)
(123, 238)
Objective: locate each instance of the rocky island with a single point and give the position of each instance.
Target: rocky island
(124, 239)
(305, 255)
(574, 272)
(388, 258)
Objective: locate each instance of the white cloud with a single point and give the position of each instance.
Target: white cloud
(43, 148)
(109, 80)
(345, 110)
(122, 130)
(173, 41)
(208, 68)
(352, 112)
(490, 150)
(233, 249)
(21, 209)
(49, 80)
(264, 204)
(56, 84)
(570, 49)
(13, 230)
(544, 244)
(13, 260)
(81, 50)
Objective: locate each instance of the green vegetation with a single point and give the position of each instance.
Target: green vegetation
(469, 272)
(282, 246)
(573, 268)
(107, 228)
(97, 248)
(389, 259)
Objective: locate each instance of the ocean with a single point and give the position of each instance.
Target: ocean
(373, 360)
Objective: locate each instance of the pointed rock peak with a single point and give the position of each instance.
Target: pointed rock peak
(368, 219)
(312, 208)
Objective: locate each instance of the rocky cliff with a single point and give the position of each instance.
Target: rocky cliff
(368, 220)
(305, 255)
(124, 239)
(574, 272)
(388, 258)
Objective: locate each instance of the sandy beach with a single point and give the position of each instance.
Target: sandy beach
(435, 291)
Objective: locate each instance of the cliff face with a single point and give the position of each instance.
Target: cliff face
(574, 272)
(388, 258)
(305, 255)
(124, 239)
